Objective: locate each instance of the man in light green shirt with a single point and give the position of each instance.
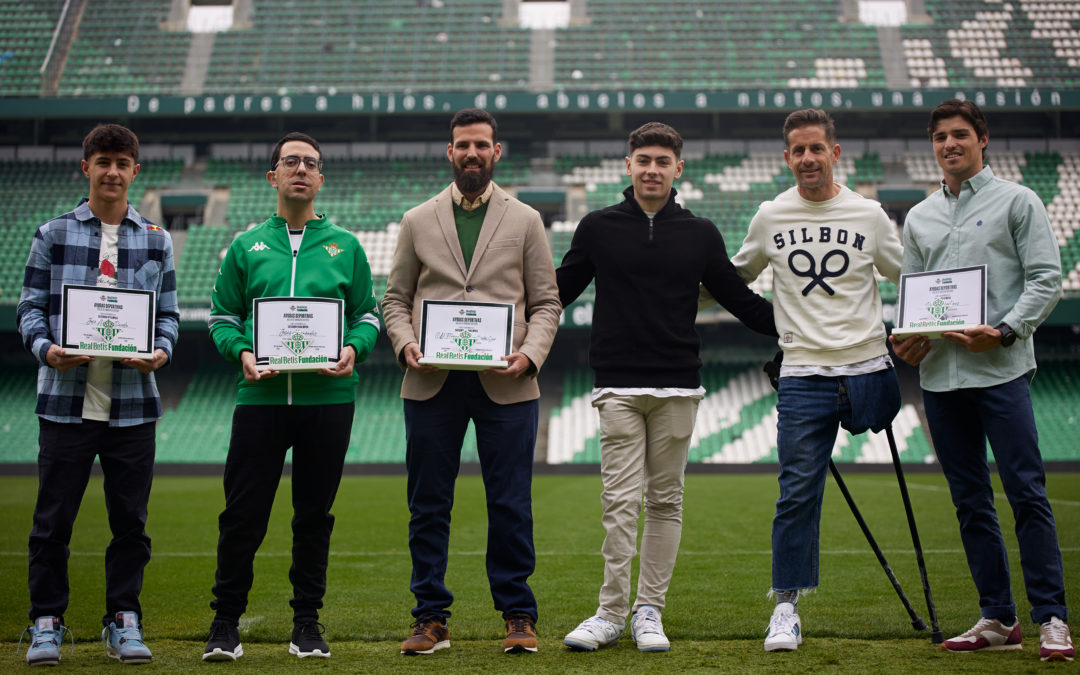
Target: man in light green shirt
(976, 382)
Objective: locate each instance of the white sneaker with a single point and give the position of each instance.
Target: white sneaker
(648, 631)
(593, 633)
(785, 630)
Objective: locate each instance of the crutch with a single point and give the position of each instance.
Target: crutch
(916, 622)
(936, 636)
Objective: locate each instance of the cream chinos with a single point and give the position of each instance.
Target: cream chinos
(644, 442)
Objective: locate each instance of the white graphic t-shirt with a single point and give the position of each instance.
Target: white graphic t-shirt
(98, 398)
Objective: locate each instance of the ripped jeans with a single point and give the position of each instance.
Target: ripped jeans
(810, 411)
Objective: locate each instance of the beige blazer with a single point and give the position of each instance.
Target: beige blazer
(512, 263)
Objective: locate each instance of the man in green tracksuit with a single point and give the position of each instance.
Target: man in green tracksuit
(294, 253)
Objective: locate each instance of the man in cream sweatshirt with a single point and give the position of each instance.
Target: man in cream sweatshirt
(823, 243)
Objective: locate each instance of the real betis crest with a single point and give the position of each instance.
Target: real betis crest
(937, 309)
(465, 340)
(108, 330)
(332, 249)
(296, 343)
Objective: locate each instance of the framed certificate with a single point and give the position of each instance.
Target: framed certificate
(103, 322)
(466, 335)
(932, 303)
(292, 333)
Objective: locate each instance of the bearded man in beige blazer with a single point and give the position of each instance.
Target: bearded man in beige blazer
(474, 243)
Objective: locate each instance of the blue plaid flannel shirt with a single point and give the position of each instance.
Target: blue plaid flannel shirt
(65, 251)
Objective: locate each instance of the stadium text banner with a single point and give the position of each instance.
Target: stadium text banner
(110, 323)
(940, 301)
(297, 333)
(466, 335)
(520, 101)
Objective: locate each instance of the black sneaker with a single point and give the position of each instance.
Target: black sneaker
(307, 640)
(223, 644)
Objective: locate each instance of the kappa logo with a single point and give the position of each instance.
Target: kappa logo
(259, 246)
(333, 249)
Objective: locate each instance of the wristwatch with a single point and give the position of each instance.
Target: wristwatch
(1007, 335)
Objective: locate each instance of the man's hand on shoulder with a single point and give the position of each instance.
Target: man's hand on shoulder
(58, 358)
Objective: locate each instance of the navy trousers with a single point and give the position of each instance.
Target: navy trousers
(961, 421)
(505, 439)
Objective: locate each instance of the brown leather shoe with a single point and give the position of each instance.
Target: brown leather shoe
(429, 634)
(520, 634)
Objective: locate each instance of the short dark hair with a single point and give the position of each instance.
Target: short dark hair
(810, 117)
(955, 107)
(110, 138)
(655, 133)
(464, 118)
(293, 136)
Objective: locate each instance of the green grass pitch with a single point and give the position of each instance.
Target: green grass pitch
(717, 608)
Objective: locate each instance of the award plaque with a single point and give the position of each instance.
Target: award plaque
(103, 322)
(932, 303)
(466, 335)
(297, 333)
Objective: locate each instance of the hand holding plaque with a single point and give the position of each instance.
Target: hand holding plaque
(942, 301)
(466, 335)
(297, 333)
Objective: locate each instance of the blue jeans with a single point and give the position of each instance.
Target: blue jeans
(810, 411)
(961, 422)
(505, 440)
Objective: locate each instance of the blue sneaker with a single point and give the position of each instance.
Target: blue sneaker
(46, 638)
(123, 639)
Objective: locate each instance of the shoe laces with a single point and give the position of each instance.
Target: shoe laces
(648, 621)
(132, 634)
(519, 623)
(423, 624)
(1056, 631)
(39, 637)
(984, 624)
(219, 630)
(782, 622)
(312, 629)
(598, 625)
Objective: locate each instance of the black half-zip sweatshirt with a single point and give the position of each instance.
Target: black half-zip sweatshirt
(647, 272)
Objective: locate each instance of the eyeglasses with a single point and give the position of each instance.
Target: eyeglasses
(292, 161)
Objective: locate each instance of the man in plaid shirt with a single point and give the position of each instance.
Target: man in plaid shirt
(95, 407)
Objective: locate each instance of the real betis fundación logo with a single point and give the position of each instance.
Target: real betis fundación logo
(465, 340)
(297, 343)
(107, 330)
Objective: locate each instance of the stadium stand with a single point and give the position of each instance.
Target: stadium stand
(121, 49)
(26, 29)
(975, 43)
(717, 45)
(285, 47)
(368, 46)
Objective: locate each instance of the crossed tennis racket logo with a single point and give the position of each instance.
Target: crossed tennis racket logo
(810, 269)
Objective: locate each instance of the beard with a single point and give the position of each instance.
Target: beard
(472, 183)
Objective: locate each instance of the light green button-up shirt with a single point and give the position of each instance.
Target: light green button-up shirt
(1004, 226)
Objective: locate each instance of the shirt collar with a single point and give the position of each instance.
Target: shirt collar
(976, 182)
(460, 200)
(83, 213)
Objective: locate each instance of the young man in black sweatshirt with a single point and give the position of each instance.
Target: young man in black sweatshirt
(648, 256)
